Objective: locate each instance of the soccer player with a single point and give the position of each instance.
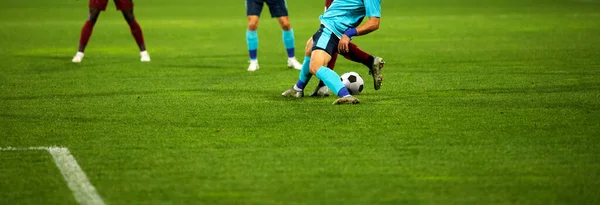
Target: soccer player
(126, 7)
(373, 63)
(278, 9)
(339, 24)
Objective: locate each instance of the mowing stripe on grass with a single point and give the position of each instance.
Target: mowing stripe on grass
(83, 190)
(589, 1)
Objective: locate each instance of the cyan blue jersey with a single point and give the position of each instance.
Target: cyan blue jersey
(345, 14)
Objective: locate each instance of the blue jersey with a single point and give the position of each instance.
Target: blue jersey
(345, 14)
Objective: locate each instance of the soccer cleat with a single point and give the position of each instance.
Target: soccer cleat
(78, 57)
(293, 63)
(348, 99)
(253, 65)
(375, 71)
(322, 91)
(293, 93)
(145, 57)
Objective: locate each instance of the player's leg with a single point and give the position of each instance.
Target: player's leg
(279, 10)
(304, 76)
(322, 90)
(253, 10)
(95, 7)
(88, 28)
(126, 7)
(358, 55)
(324, 45)
(289, 42)
(375, 64)
(318, 66)
(252, 41)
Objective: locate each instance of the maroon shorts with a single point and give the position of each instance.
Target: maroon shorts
(121, 4)
(328, 3)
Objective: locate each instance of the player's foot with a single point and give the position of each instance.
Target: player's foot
(293, 63)
(322, 91)
(145, 57)
(78, 57)
(375, 71)
(253, 65)
(348, 99)
(293, 93)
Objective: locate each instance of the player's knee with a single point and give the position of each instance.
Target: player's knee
(252, 25)
(315, 64)
(314, 69)
(93, 15)
(128, 15)
(129, 19)
(92, 19)
(286, 25)
(284, 22)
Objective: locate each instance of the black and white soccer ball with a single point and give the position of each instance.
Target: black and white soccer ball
(353, 82)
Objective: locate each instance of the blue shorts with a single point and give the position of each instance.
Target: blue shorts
(325, 40)
(278, 8)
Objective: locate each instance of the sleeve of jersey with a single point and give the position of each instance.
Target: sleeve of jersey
(373, 8)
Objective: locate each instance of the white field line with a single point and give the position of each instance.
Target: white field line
(83, 190)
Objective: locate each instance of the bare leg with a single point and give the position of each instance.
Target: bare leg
(88, 27)
(136, 30)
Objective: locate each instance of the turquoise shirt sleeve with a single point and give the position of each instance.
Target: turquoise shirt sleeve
(373, 8)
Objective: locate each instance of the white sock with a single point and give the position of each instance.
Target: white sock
(297, 88)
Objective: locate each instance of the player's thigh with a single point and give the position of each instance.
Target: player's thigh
(308, 47)
(318, 59)
(324, 47)
(278, 8)
(254, 7)
(124, 5)
(99, 4)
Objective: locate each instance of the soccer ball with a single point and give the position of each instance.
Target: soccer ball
(353, 82)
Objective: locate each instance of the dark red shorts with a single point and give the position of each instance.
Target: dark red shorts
(328, 3)
(121, 4)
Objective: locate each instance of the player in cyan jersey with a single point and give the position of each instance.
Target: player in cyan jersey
(126, 7)
(339, 23)
(278, 10)
(373, 63)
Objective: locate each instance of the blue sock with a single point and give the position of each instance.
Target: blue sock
(288, 42)
(252, 40)
(332, 80)
(304, 74)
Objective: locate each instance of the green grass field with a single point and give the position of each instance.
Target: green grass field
(483, 102)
